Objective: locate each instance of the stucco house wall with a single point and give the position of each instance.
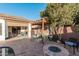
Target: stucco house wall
(68, 32)
(3, 29)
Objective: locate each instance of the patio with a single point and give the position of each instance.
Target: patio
(29, 47)
(25, 47)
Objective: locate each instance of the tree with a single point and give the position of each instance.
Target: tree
(76, 22)
(60, 14)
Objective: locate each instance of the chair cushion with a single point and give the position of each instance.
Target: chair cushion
(70, 43)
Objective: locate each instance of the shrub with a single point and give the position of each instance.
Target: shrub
(53, 38)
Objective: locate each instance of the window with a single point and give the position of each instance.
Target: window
(24, 28)
(0, 29)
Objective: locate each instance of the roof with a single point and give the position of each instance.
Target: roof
(17, 18)
(9, 17)
(45, 20)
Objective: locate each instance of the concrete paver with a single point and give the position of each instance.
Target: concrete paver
(27, 47)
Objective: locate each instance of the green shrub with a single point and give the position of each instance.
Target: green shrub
(53, 38)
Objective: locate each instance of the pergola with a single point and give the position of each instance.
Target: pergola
(42, 23)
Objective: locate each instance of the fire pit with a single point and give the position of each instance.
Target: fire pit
(55, 50)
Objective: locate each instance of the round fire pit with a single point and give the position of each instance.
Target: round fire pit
(55, 50)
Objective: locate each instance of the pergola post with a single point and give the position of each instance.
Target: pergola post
(43, 27)
(29, 30)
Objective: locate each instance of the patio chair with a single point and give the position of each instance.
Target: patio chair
(8, 51)
(71, 42)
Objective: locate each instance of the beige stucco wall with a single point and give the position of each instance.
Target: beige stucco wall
(63, 30)
(69, 32)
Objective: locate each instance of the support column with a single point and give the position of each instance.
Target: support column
(42, 26)
(6, 30)
(2, 33)
(21, 30)
(29, 30)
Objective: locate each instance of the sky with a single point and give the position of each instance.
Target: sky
(29, 11)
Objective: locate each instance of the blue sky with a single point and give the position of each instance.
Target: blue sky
(29, 11)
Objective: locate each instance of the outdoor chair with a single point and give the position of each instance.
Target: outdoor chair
(71, 42)
(8, 51)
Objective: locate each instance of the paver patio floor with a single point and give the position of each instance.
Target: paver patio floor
(27, 47)
(24, 47)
